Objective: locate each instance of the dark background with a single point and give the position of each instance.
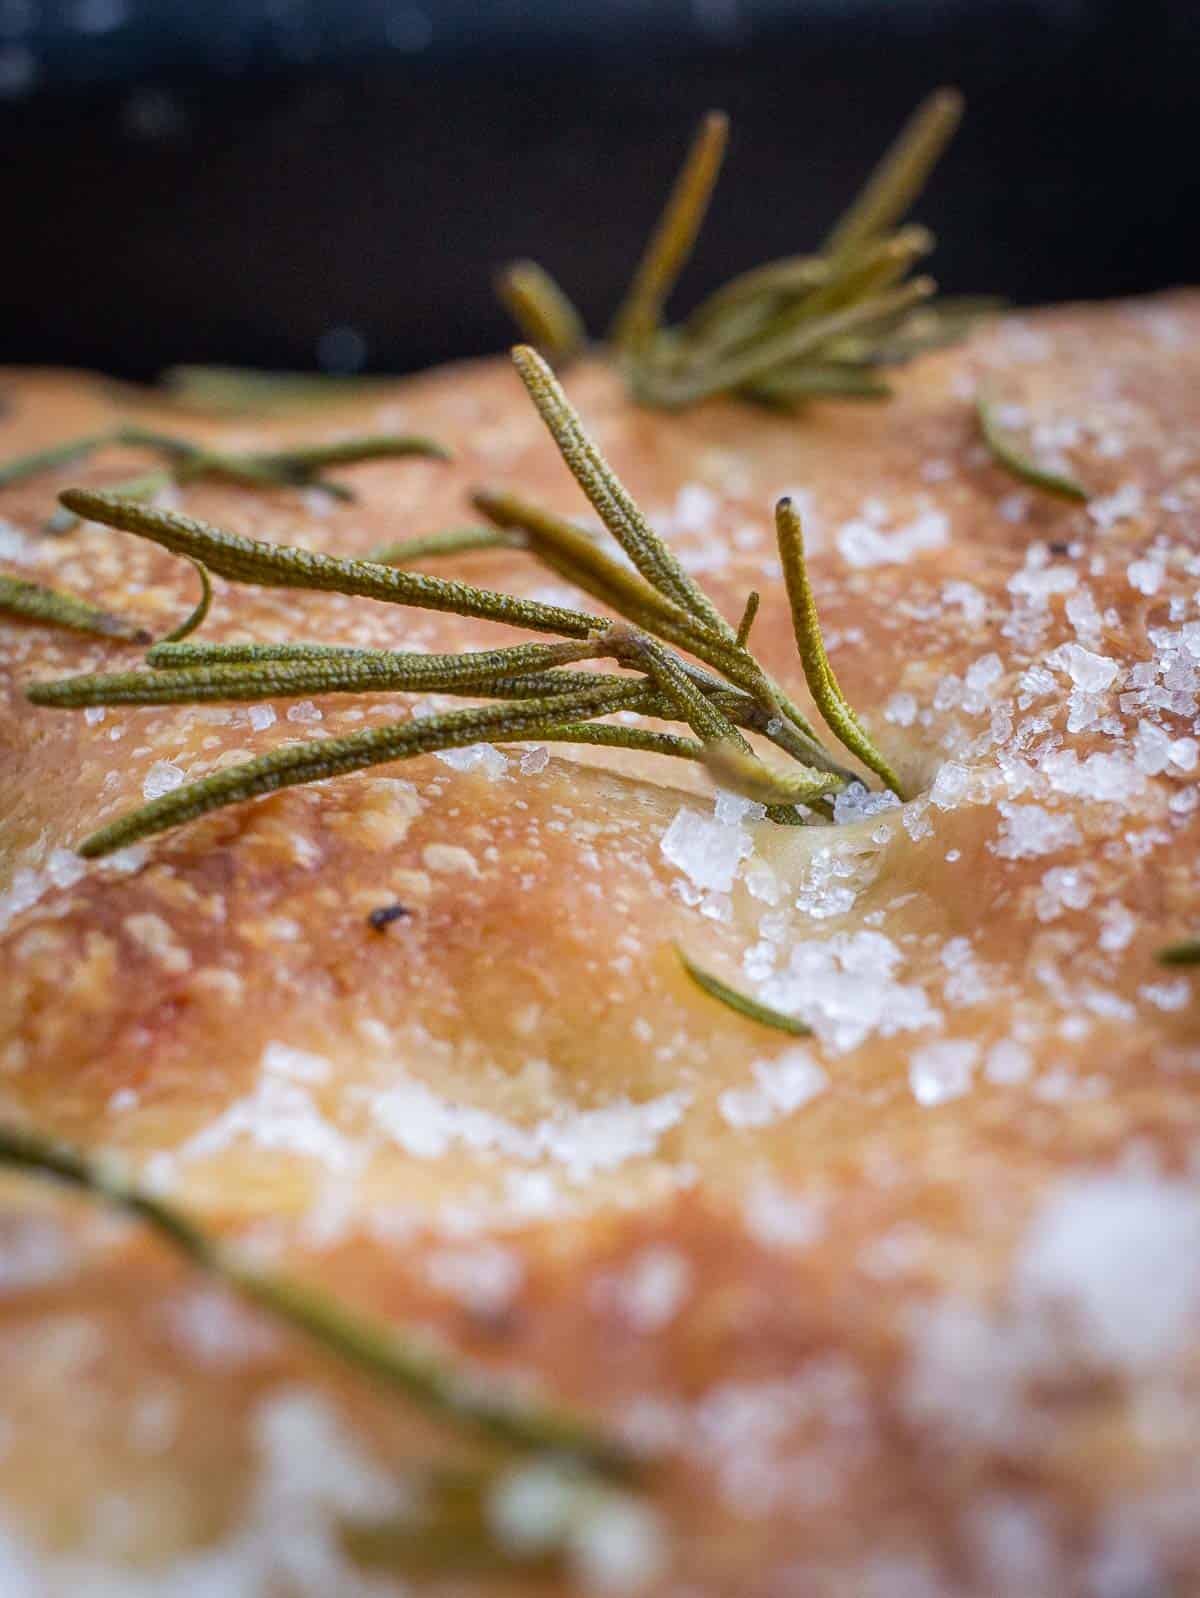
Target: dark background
(232, 180)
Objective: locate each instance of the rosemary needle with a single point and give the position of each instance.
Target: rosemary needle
(1185, 953)
(284, 468)
(1007, 455)
(33, 601)
(195, 619)
(541, 310)
(453, 541)
(295, 764)
(280, 566)
(822, 683)
(672, 240)
(384, 1352)
(751, 1008)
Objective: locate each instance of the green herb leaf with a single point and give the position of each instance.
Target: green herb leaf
(750, 1008)
(822, 683)
(1008, 455)
(1185, 953)
(547, 318)
(34, 602)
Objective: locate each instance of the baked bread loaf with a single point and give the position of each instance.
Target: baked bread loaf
(909, 1307)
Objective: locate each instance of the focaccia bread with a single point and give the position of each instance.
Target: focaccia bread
(909, 1307)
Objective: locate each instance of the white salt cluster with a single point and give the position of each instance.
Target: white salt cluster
(1120, 506)
(652, 1288)
(63, 868)
(776, 1217)
(279, 1115)
(1030, 830)
(708, 851)
(484, 1279)
(1091, 672)
(942, 1070)
(846, 988)
(615, 1543)
(585, 1142)
(781, 1086)
(163, 777)
(1120, 1256)
(862, 542)
(483, 758)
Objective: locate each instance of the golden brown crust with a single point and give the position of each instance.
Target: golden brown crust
(914, 1308)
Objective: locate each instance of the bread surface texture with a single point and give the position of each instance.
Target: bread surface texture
(910, 1307)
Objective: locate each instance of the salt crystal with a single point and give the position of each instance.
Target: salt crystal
(862, 544)
(1007, 1062)
(94, 715)
(261, 717)
(1028, 830)
(941, 1071)
(1146, 575)
(901, 709)
(1184, 753)
(731, 809)
(162, 777)
(535, 760)
(483, 758)
(856, 802)
(1113, 508)
(708, 852)
(1122, 1255)
(950, 786)
(783, 1086)
(1091, 672)
(778, 1218)
(1151, 748)
(306, 712)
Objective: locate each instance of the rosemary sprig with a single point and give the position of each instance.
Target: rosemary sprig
(1008, 455)
(185, 461)
(35, 602)
(800, 328)
(240, 391)
(741, 1002)
(384, 1352)
(532, 692)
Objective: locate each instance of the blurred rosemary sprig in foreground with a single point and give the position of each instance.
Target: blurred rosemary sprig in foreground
(719, 693)
(797, 329)
(461, 1519)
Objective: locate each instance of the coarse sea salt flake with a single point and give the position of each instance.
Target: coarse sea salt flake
(941, 1071)
(162, 777)
(707, 851)
(1091, 672)
(1121, 1254)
